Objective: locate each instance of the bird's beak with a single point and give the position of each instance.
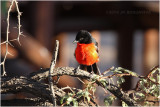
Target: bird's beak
(75, 41)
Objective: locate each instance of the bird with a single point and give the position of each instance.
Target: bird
(86, 52)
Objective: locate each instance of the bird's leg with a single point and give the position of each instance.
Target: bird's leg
(91, 69)
(99, 72)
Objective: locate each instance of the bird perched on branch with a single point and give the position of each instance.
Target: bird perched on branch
(86, 52)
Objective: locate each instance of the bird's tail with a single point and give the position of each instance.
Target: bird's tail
(91, 68)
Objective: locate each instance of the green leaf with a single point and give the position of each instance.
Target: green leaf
(146, 103)
(80, 94)
(120, 80)
(75, 103)
(153, 79)
(156, 92)
(93, 89)
(140, 94)
(103, 81)
(133, 74)
(108, 100)
(124, 104)
(88, 98)
(62, 99)
(69, 100)
(86, 94)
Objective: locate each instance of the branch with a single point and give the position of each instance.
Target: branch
(83, 74)
(40, 90)
(53, 63)
(25, 102)
(22, 84)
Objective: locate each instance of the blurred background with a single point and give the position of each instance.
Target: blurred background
(127, 33)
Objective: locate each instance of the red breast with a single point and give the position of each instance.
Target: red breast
(86, 54)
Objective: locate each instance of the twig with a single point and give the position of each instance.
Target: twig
(154, 68)
(105, 72)
(152, 101)
(150, 74)
(19, 22)
(7, 34)
(118, 75)
(6, 53)
(80, 80)
(52, 66)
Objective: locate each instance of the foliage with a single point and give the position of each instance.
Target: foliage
(146, 86)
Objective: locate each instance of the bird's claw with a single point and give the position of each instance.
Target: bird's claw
(92, 72)
(77, 69)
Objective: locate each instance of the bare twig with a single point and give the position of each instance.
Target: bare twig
(53, 63)
(19, 22)
(80, 80)
(6, 53)
(7, 42)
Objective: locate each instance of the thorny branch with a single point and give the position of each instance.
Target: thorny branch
(33, 82)
(85, 75)
(53, 63)
(7, 42)
(29, 85)
(26, 102)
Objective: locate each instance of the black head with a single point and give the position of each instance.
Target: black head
(84, 36)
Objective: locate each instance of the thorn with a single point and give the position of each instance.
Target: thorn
(13, 39)
(77, 69)
(2, 63)
(3, 42)
(10, 53)
(10, 44)
(20, 13)
(15, 27)
(23, 35)
(4, 73)
(18, 41)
